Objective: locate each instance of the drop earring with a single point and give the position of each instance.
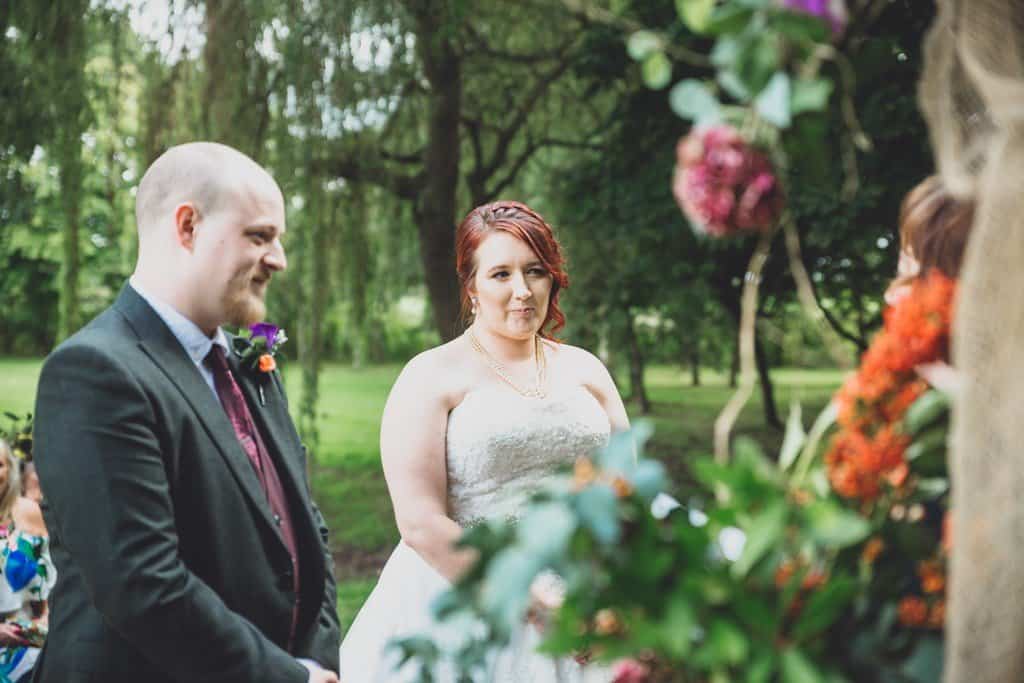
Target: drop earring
(475, 303)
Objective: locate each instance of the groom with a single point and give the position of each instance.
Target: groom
(186, 544)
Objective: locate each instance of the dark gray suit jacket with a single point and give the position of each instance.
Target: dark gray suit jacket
(169, 564)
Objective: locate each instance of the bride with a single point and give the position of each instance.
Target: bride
(474, 426)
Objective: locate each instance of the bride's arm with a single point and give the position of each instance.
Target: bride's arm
(600, 382)
(412, 446)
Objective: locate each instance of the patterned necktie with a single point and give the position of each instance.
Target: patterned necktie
(252, 443)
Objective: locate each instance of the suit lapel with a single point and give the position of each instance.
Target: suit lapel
(272, 419)
(163, 348)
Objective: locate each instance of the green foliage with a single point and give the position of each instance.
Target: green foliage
(758, 45)
(696, 14)
(691, 99)
(712, 589)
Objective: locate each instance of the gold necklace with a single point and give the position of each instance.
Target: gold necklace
(494, 364)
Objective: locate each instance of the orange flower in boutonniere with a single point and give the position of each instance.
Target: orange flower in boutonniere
(267, 363)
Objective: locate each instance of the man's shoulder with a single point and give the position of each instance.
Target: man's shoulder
(108, 335)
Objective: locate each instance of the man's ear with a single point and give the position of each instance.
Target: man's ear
(185, 219)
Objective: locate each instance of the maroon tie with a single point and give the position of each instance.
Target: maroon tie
(252, 443)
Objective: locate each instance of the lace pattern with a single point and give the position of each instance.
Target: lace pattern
(502, 447)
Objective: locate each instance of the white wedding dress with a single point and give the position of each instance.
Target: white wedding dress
(501, 447)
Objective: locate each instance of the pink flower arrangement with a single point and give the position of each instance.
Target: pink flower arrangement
(832, 11)
(723, 185)
(629, 671)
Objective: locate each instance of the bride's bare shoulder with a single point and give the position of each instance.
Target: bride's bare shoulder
(442, 371)
(583, 367)
(575, 356)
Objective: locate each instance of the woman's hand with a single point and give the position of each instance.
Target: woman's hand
(547, 593)
(942, 376)
(10, 635)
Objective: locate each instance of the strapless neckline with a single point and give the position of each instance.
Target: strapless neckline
(502, 446)
(478, 392)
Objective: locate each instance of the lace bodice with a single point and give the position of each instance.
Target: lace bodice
(502, 446)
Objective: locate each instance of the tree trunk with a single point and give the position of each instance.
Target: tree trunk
(314, 277)
(71, 190)
(435, 206)
(358, 272)
(771, 413)
(734, 365)
(636, 368)
(235, 89)
(72, 111)
(694, 358)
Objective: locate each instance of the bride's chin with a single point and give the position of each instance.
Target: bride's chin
(521, 334)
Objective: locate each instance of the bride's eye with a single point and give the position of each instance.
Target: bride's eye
(501, 274)
(539, 272)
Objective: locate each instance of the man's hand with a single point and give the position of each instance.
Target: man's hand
(322, 676)
(318, 674)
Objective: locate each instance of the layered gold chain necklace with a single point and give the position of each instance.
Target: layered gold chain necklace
(501, 371)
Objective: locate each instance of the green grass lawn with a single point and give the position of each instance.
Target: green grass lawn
(348, 482)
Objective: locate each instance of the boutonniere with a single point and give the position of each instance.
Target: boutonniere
(256, 354)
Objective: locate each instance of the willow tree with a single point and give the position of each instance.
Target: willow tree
(468, 99)
(238, 77)
(65, 23)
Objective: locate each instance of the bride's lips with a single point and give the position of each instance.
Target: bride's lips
(522, 311)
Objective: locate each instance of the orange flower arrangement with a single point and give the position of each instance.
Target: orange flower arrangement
(928, 611)
(932, 575)
(913, 611)
(584, 473)
(872, 550)
(868, 452)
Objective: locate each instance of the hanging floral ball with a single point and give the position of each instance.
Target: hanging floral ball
(630, 671)
(831, 11)
(724, 185)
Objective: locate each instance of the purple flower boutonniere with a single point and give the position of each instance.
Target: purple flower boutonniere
(256, 354)
(258, 351)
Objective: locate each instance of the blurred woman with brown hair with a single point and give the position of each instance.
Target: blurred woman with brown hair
(934, 227)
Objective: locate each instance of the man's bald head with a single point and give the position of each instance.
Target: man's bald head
(210, 223)
(204, 174)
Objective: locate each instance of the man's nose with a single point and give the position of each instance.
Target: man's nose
(275, 258)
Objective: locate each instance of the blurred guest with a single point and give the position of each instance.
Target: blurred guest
(933, 234)
(28, 574)
(934, 227)
(30, 483)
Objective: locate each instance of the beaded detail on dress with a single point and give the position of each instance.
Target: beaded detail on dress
(502, 447)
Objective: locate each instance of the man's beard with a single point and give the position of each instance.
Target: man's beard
(242, 307)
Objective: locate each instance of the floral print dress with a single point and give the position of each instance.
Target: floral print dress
(28, 576)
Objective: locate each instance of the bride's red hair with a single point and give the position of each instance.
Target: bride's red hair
(525, 224)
